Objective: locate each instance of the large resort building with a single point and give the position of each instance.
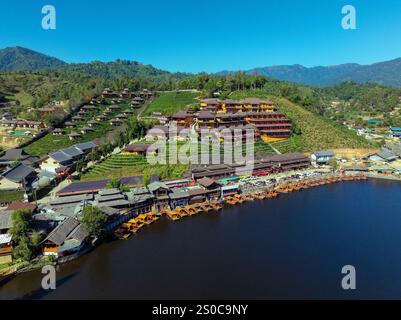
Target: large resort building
(254, 114)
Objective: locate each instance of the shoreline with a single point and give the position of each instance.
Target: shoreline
(268, 193)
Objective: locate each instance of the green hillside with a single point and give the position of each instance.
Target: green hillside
(316, 132)
(170, 102)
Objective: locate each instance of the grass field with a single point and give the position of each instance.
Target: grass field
(10, 196)
(171, 102)
(317, 132)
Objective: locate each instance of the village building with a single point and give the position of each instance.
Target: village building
(179, 197)
(89, 108)
(322, 157)
(126, 94)
(273, 126)
(139, 149)
(213, 188)
(183, 118)
(58, 132)
(68, 237)
(86, 130)
(69, 125)
(112, 198)
(211, 105)
(108, 93)
(93, 123)
(22, 124)
(206, 120)
(128, 112)
(56, 160)
(74, 136)
(77, 118)
(101, 117)
(197, 195)
(135, 104)
(395, 132)
(161, 195)
(19, 177)
(12, 156)
(6, 248)
(387, 156)
(121, 116)
(158, 132)
(115, 122)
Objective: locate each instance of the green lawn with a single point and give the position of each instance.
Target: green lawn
(10, 196)
(171, 102)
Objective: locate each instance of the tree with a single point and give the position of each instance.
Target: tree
(20, 224)
(23, 250)
(94, 220)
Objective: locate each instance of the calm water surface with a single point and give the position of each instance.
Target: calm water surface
(290, 247)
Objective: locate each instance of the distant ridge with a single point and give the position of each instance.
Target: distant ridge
(18, 58)
(386, 73)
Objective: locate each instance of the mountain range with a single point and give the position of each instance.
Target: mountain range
(386, 73)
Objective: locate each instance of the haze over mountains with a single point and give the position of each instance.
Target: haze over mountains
(386, 73)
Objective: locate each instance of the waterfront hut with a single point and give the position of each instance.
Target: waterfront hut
(68, 237)
(179, 197)
(213, 188)
(229, 190)
(197, 195)
(161, 194)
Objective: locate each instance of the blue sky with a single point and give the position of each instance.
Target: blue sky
(207, 35)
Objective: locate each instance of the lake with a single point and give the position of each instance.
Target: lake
(292, 247)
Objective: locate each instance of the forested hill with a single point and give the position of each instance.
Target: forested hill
(123, 69)
(17, 59)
